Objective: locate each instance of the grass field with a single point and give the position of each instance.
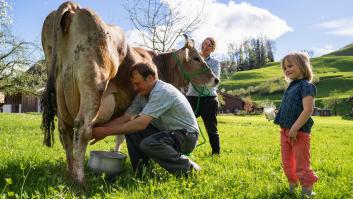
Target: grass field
(334, 71)
(249, 166)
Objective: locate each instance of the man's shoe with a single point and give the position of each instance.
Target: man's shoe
(217, 154)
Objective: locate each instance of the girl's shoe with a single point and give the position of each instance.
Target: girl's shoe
(308, 192)
(292, 187)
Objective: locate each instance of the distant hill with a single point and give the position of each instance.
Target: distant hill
(333, 71)
(345, 51)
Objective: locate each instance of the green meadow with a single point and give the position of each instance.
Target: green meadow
(333, 72)
(249, 166)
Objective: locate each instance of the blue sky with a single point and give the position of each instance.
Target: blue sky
(318, 25)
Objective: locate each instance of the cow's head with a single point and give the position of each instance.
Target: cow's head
(193, 67)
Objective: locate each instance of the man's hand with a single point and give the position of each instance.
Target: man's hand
(98, 133)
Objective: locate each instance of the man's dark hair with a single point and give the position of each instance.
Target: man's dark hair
(144, 68)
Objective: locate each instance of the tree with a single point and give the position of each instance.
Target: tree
(270, 45)
(263, 52)
(251, 53)
(15, 57)
(233, 58)
(5, 19)
(159, 24)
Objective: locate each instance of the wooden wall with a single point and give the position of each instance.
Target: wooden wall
(28, 103)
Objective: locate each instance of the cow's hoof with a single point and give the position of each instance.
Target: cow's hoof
(82, 183)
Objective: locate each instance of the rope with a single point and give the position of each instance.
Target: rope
(200, 94)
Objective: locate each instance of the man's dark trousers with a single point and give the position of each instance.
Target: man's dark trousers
(164, 147)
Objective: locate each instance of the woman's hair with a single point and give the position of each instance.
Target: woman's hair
(302, 61)
(212, 40)
(144, 68)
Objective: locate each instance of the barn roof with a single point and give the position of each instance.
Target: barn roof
(230, 96)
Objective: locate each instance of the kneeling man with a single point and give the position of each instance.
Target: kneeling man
(159, 124)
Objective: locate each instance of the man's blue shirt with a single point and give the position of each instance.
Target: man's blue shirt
(292, 104)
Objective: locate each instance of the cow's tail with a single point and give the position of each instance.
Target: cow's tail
(49, 107)
(48, 99)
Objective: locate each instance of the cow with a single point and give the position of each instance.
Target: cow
(82, 54)
(88, 63)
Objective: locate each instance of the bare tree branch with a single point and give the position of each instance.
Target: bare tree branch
(159, 24)
(14, 48)
(15, 58)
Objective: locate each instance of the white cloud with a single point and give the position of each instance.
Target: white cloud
(229, 23)
(340, 27)
(134, 37)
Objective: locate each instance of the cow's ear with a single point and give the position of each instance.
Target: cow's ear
(66, 21)
(188, 42)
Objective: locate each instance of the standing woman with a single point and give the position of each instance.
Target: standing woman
(207, 105)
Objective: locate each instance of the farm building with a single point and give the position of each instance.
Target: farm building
(21, 103)
(322, 112)
(232, 103)
(27, 101)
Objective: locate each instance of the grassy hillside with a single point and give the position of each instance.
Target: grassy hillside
(332, 72)
(345, 51)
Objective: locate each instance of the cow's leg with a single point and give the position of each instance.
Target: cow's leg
(81, 139)
(91, 95)
(119, 139)
(83, 129)
(66, 139)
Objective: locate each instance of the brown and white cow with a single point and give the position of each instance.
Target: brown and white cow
(82, 54)
(88, 63)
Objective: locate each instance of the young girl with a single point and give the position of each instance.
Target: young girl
(294, 119)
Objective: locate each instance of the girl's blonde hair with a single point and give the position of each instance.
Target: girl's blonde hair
(302, 60)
